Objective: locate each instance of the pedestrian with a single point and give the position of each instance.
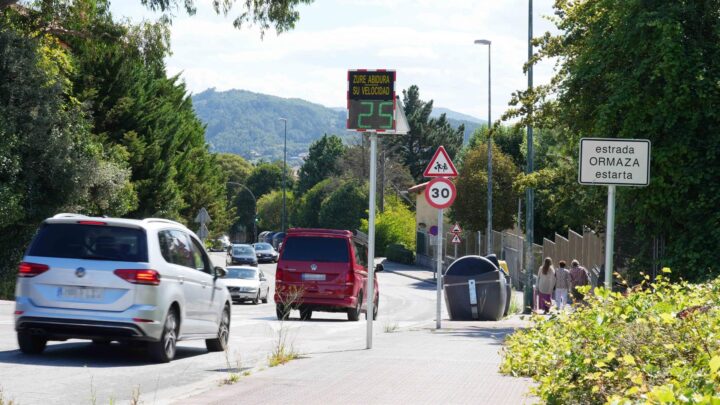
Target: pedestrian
(545, 285)
(578, 277)
(562, 285)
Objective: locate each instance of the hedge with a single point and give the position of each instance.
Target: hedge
(660, 343)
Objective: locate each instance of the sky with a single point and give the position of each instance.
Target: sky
(428, 42)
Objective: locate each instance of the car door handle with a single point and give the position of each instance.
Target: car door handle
(181, 279)
(204, 284)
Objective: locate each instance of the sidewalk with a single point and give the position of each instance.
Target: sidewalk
(412, 271)
(455, 365)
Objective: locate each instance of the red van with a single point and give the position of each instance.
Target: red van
(323, 270)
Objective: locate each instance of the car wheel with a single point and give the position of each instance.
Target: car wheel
(265, 300)
(354, 313)
(305, 314)
(220, 343)
(164, 350)
(282, 312)
(256, 299)
(375, 309)
(31, 344)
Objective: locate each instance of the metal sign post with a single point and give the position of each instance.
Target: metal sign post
(438, 256)
(610, 237)
(203, 218)
(371, 239)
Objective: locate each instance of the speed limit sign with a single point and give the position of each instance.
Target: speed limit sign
(440, 193)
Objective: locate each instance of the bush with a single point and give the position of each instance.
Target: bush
(658, 344)
(394, 225)
(399, 253)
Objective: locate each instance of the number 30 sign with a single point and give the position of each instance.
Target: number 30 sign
(440, 193)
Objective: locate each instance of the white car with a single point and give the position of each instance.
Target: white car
(247, 283)
(265, 252)
(113, 279)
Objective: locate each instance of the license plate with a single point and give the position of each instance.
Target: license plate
(313, 277)
(80, 293)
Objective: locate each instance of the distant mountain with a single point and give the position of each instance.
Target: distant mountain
(450, 114)
(248, 124)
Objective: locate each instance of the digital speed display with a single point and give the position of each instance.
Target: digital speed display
(371, 100)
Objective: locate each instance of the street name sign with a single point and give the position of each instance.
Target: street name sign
(440, 193)
(371, 100)
(620, 162)
(440, 165)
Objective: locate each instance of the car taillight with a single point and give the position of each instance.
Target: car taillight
(350, 277)
(278, 274)
(139, 276)
(31, 269)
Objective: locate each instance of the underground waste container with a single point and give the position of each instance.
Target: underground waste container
(475, 289)
(508, 285)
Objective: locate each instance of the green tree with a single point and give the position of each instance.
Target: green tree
(266, 177)
(345, 207)
(270, 209)
(306, 210)
(234, 167)
(237, 170)
(470, 207)
(426, 134)
(321, 163)
(394, 225)
(640, 69)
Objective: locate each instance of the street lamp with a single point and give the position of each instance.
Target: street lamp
(254, 205)
(489, 193)
(529, 193)
(284, 120)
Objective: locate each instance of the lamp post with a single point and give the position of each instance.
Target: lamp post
(254, 205)
(489, 237)
(529, 193)
(284, 120)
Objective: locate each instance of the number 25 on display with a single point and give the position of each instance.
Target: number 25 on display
(363, 118)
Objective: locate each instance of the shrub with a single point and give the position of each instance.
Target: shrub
(658, 344)
(394, 225)
(399, 253)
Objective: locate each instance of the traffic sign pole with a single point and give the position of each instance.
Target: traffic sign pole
(610, 237)
(371, 240)
(438, 276)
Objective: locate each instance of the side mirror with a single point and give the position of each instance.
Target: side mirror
(220, 272)
(379, 267)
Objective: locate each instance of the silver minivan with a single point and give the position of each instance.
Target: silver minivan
(112, 279)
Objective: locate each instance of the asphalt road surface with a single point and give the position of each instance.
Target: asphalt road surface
(80, 372)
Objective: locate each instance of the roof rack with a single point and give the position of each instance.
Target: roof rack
(162, 220)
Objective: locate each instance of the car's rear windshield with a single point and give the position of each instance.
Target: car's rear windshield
(263, 246)
(315, 249)
(94, 242)
(248, 274)
(242, 250)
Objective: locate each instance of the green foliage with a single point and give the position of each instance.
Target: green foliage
(270, 209)
(470, 208)
(307, 208)
(395, 225)
(399, 253)
(234, 167)
(280, 14)
(639, 69)
(266, 177)
(417, 147)
(509, 139)
(321, 163)
(345, 207)
(658, 344)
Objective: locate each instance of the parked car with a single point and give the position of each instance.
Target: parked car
(277, 239)
(265, 253)
(113, 279)
(247, 283)
(242, 254)
(323, 270)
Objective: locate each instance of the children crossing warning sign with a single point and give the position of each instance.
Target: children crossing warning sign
(440, 165)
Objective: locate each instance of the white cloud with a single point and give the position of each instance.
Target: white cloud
(428, 42)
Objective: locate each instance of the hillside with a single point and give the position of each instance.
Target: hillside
(247, 123)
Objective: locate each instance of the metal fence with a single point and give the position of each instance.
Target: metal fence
(586, 248)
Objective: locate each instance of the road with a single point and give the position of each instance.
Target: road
(79, 372)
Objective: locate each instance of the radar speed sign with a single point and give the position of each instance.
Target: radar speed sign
(440, 193)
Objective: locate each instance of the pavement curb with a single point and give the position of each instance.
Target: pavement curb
(411, 276)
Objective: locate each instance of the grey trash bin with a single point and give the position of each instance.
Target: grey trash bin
(475, 289)
(508, 285)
